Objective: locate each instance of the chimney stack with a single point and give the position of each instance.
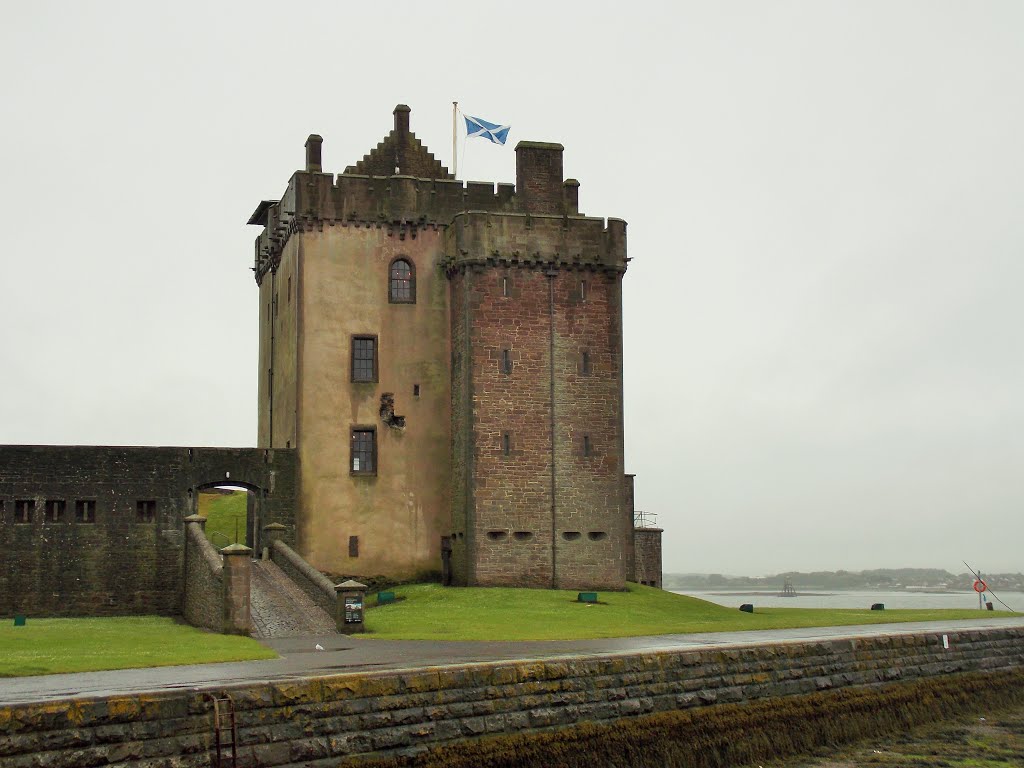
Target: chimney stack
(402, 120)
(539, 176)
(313, 146)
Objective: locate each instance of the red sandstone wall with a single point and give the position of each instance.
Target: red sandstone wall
(648, 556)
(589, 496)
(462, 457)
(506, 529)
(509, 525)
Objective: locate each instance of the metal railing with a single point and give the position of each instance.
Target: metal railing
(645, 519)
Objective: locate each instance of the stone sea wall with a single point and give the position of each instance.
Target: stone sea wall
(319, 722)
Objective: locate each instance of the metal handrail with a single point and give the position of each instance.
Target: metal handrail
(645, 519)
(223, 536)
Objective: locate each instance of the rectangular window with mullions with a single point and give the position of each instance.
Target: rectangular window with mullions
(363, 460)
(364, 358)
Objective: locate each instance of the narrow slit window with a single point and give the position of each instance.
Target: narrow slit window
(587, 447)
(289, 290)
(415, 390)
(364, 451)
(85, 511)
(506, 443)
(506, 361)
(364, 358)
(585, 363)
(353, 546)
(145, 510)
(55, 510)
(583, 290)
(24, 509)
(504, 286)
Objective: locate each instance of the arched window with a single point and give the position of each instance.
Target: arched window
(402, 282)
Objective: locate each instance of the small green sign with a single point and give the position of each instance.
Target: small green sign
(19, 621)
(383, 598)
(587, 597)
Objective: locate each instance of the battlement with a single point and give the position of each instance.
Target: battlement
(400, 184)
(563, 242)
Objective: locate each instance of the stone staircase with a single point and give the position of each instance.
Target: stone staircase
(280, 608)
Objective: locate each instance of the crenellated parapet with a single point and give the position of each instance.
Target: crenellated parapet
(480, 238)
(419, 193)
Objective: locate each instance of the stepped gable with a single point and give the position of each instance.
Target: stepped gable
(400, 154)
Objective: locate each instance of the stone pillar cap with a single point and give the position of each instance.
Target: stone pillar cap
(275, 527)
(195, 519)
(236, 549)
(350, 584)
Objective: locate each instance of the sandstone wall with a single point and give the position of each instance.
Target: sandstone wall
(390, 520)
(647, 556)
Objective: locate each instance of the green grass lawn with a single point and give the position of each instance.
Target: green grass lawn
(49, 646)
(223, 511)
(433, 612)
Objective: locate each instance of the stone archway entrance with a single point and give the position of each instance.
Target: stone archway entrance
(233, 512)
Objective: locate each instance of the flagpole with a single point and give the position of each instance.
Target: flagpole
(455, 153)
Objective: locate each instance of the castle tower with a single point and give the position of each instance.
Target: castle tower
(447, 359)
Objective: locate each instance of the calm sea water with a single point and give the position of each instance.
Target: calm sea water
(854, 599)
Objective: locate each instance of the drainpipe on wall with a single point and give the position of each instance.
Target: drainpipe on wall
(550, 274)
(270, 371)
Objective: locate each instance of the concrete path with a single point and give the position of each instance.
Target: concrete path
(280, 608)
(299, 658)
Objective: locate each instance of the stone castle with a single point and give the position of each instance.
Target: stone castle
(440, 389)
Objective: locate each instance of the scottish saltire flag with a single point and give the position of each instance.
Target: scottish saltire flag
(485, 130)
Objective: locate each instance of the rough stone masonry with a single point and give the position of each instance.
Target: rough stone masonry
(316, 722)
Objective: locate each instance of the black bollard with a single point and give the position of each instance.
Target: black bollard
(878, 606)
(990, 607)
(747, 607)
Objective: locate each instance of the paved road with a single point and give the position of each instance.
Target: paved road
(299, 658)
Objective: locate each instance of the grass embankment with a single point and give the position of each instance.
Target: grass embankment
(50, 646)
(223, 512)
(433, 612)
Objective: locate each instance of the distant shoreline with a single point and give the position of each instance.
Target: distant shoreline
(802, 593)
(732, 592)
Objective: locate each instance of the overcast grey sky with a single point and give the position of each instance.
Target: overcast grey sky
(823, 314)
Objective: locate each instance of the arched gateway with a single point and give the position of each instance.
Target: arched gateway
(97, 530)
